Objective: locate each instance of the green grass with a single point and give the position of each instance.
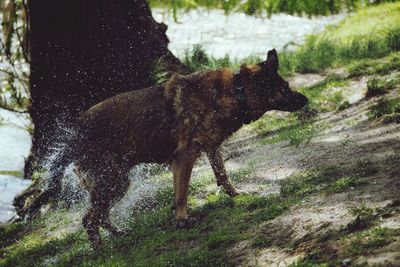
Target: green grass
(375, 66)
(296, 134)
(198, 60)
(319, 96)
(252, 7)
(379, 86)
(299, 128)
(378, 20)
(152, 240)
(369, 241)
(328, 179)
(361, 236)
(274, 129)
(243, 174)
(369, 33)
(384, 107)
(344, 183)
(342, 45)
(310, 181)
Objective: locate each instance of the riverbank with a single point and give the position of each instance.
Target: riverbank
(237, 34)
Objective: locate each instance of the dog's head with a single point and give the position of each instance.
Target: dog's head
(268, 89)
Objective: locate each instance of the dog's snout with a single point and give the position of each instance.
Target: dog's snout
(293, 102)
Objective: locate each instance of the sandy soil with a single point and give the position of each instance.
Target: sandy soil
(349, 138)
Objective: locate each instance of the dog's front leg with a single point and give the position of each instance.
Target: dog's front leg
(182, 166)
(217, 164)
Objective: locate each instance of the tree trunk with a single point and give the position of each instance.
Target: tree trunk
(82, 52)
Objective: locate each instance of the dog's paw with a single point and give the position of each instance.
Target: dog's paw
(185, 223)
(233, 193)
(237, 192)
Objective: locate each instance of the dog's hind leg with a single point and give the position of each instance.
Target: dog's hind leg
(92, 220)
(109, 188)
(116, 193)
(182, 166)
(217, 164)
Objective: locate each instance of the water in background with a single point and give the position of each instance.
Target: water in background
(15, 143)
(237, 34)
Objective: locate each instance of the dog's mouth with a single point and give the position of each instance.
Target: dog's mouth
(293, 102)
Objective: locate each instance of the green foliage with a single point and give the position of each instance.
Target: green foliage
(153, 239)
(315, 91)
(321, 99)
(358, 42)
(344, 105)
(318, 54)
(13, 57)
(257, 7)
(314, 55)
(13, 231)
(384, 107)
(356, 237)
(165, 196)
(38, 173)
(344, 183)
(275, 129)
(244, 173)
(270, 124)
(393, 39)
(375, 66)
(362, 36)
(379, 86)
(198, 60)
(296, 134)
(329, 179)
(364, 243)
(310, 181)
(373, 214)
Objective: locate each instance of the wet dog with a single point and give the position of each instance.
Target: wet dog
(172, 123)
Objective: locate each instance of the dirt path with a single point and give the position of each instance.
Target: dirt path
(347, 140)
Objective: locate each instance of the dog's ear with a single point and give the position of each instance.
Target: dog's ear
(272, 63)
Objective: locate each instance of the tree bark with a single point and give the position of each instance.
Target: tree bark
(82, 52)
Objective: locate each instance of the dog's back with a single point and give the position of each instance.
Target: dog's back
(124, 124)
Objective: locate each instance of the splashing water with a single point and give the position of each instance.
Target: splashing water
(71, 190)
(141, 193)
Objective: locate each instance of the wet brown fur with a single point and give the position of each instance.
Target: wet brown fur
(172, 124)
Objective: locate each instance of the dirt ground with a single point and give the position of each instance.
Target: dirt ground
(348, 138)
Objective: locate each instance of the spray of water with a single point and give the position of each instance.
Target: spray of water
(140, 195)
